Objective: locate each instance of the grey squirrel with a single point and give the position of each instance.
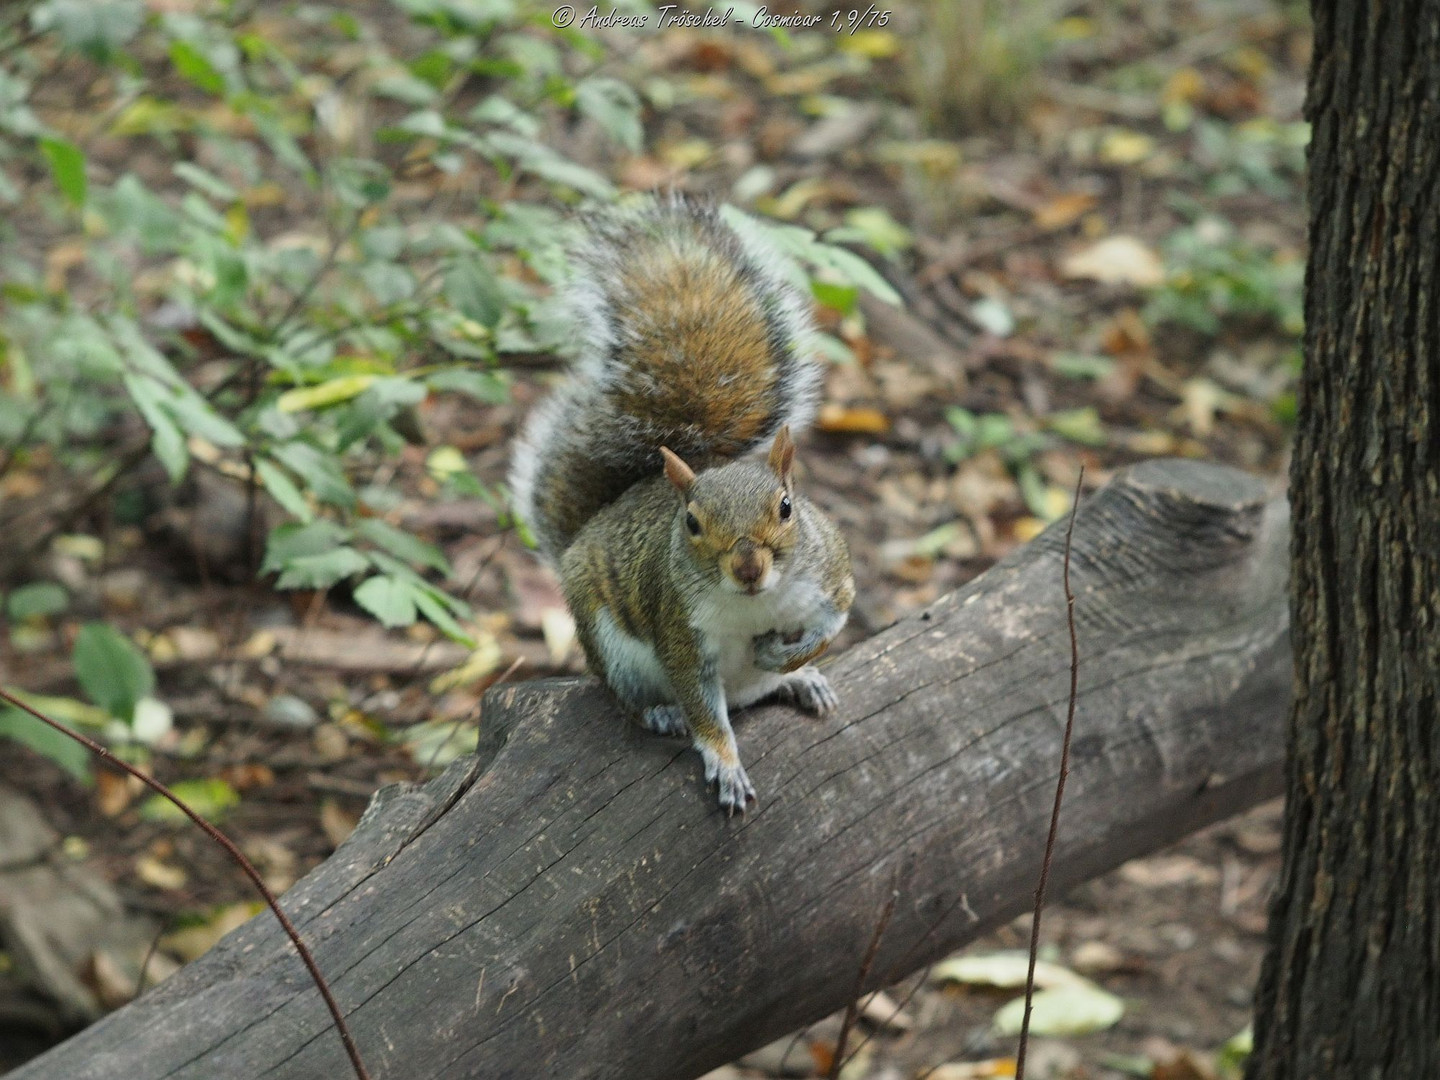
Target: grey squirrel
(700, 580)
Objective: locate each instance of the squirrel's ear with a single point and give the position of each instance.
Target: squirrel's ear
(679, 474)
(782, 454)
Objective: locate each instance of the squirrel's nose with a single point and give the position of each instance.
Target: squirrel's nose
(749, 563)
(748, 571)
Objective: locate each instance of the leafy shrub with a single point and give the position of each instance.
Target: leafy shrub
(256, 237)
(1213, 274)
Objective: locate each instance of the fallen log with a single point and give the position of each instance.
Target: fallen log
(570, 903)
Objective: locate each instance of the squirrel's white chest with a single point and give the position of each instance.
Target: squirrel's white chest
(729, 622)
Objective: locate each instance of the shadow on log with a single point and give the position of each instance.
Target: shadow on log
(571, 904)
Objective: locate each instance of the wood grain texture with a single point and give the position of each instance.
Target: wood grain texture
(571, 904)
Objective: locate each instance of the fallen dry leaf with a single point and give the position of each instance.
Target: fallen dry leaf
(194, 941)
(857, 421)
(881, 1010)
(337, 822)
(1063, 210)
(1185, 1066)
(1063, 1010)
(1159, 871)
(114, 792)
(1116, 260)
(1096, 958)
(159, 875)
(557, 626)
(1124, 147)
(993, 1069)
(1005, 970)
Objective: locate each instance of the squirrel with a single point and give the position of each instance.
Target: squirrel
(701, 581)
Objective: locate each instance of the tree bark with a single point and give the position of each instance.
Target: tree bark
(1351, 983)
(571, 904)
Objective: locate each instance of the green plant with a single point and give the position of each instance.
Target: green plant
(1213, 274)
(974, 62)
(301, 353)
(117, 678)
(279, 231)
(978, 433)
(1258, 155)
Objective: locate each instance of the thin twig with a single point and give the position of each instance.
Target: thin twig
(853, 1009)
(149, 955)
(234, 852)
(18, 443)
(903, 964)
(905, 999)
(1059, 790)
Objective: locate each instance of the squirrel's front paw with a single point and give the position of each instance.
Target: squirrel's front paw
(775, 651)
(735, 787)
(810, 691)
(665, 720)
(771, 651)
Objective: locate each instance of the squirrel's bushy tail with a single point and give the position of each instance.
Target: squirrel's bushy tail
(692, 336)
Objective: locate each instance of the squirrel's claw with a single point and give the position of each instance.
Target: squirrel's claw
(810, 691)
(734, 786)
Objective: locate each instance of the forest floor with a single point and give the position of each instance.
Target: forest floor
(1104, 269)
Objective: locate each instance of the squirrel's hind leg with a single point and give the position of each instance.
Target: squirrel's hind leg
(665, 720)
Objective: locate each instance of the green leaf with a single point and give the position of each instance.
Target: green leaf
(206, 181)
(389, 283)
(1074, 365)
(321, 471)
(548, 165)
(841, 298)
(1231, 1056)
(67, 166)
(292, 541)
(873, 225)
(438, 614)
(437, 743)
(489, 387)
(37, 599)
(283, 490)
(211, 799)
(46, 741)
(193, 65)
(615, 107)
(389, 599)
(402, 544)
(1034, 492)
(198, 417)
(112, 671)
(322, 571)
(96, 27)
(499, 110)
(331, 392)
(1079, 425)
(1006, 969)
(861, 273)
(472, 289)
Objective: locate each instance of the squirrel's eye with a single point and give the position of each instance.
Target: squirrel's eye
(785, 508)
(693, 524)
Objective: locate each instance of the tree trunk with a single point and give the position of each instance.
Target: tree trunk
(571, 904)
(1351, 983)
